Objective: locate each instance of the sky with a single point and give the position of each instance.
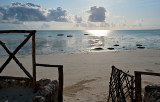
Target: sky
(79, 14)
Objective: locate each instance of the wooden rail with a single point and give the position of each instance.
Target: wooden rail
(138, 84)
(17, 31)
(16, 78)
(60, 78)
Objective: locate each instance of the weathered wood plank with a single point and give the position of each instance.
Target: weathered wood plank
(17, 31)
(138, 87)
(48, 65)
(132, 87)
(34, 60)
(15, 78)
(60, 92)
(148, 73)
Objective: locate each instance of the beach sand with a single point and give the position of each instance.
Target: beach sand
(87, 74)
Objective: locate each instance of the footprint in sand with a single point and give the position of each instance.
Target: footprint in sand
(71, 91)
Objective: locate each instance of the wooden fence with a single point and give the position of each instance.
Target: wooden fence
(138, 84)
(31, 78)
(60, 78)
(12, 56)
(121, 86)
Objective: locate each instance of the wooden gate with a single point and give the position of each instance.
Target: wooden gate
(121, 86)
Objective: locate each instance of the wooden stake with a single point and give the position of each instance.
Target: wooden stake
(60, 92)
(34, 61)
(138, 87)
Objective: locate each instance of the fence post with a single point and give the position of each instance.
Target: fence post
(132, 89)
(138, 87)
(60, 93)
(34, 61)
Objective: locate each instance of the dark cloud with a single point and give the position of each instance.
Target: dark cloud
(97, 14)
(27, 4)
(32, 12)
(58, 15)
(2, 10)
(32, 5)
(24, 14)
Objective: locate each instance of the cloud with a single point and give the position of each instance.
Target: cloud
(2, 10)
(138, 23)
(45, 25)
(92, 24)
(24, 13)
(104, 24)
(58, 15)
(11, 21)
(32, 12)
(97, 14)
(85, 24)
(78, 19)
(81, 25)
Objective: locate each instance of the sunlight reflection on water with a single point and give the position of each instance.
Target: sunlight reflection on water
(99, 32)
(48, 42)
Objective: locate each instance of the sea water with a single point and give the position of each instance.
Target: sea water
(63, 41)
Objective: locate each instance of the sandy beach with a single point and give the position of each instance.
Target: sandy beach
(87, 74)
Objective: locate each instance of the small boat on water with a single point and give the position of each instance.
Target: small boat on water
(49, 36)
(110, 48)
(141, 47)
(60, 34)
(69, 35)
(86, 34)
(138, 45)
(98, 48)
(116, 45)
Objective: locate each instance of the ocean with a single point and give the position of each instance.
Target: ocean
(64, 41)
